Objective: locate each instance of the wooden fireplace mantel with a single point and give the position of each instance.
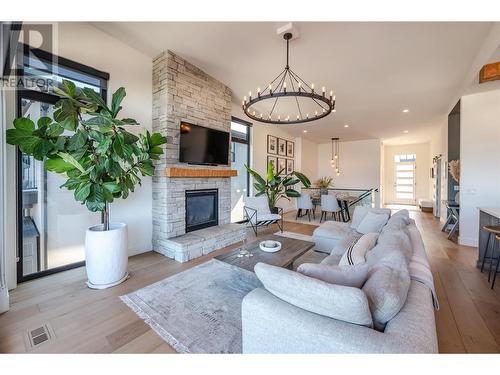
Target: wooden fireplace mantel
(200, 172)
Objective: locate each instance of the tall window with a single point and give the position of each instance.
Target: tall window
(240, 155)
(51, 224)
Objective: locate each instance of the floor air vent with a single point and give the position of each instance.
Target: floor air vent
(38, 336)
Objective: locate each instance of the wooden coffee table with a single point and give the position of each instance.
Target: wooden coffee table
(291, 249)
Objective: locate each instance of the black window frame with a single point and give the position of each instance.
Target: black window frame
(243, 141)
(48, 98)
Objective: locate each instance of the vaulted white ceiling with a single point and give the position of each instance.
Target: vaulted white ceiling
(375, 69)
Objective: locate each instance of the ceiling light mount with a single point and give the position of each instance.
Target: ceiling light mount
(297, 89)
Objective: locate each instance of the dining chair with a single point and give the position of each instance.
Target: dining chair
(304, 202)
(329, 204)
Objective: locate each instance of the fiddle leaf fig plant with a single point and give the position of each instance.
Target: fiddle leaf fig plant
(276, 185)
(87, 142)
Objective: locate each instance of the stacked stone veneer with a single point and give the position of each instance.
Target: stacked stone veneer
(183, 92)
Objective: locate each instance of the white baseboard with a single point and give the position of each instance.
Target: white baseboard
(467, 241)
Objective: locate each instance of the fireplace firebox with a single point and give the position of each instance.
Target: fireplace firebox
(202, 209)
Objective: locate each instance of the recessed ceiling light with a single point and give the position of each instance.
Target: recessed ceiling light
(405, 131)
(305, 131)
(346, 125)
(406, 110)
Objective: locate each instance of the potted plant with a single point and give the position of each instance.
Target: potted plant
(276, 185)
(101, 160)
(323, 184)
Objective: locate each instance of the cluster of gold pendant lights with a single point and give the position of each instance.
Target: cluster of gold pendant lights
(335, 162)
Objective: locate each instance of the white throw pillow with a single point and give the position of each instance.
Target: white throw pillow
(354, 276)
(355, 254)
(361, 211)
(358, 215)
(335, 301)
(372, 223)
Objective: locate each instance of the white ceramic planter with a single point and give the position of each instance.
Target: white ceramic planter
(106, 256)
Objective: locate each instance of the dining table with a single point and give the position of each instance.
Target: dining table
(344, 201)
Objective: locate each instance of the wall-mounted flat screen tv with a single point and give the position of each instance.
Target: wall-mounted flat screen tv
(201, 145)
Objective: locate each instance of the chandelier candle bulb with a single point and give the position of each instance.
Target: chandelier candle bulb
(312, 87)
(244, 99)
(258, 92)
(331, 95)
(316, 113)
(300, 86)
(323, 90)
(284, 87)
(249, 96)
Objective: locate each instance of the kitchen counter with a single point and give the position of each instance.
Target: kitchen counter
(487, 216)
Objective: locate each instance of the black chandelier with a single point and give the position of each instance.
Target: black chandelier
(322, 105)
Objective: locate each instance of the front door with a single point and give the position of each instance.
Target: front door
(404, 179)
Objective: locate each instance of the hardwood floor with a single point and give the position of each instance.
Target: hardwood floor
(89, 321)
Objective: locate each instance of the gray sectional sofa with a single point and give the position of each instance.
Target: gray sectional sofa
(272, 325)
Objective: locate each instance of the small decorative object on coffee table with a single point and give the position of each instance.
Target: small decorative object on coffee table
(270, 246)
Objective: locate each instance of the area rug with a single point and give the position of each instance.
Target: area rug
(198, 310)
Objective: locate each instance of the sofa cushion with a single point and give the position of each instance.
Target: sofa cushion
(387, 286)
(354, 276)
(311, 256)
(335, 301)
(343, 245)
(332, 260)
(361, 211)
(356, 251)
(372, 223)
(399, 239)
(398, 221)
(328, 234)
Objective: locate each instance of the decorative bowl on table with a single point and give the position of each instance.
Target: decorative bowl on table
(270, 246)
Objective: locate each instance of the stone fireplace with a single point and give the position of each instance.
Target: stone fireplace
(183, 92)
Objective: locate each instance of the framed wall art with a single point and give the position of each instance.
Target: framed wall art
(272, 144)
(281, 147)
(281, 165)
(273, 160)
(290, 149)
(289, 166)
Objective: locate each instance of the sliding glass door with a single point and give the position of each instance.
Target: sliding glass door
(51, 224)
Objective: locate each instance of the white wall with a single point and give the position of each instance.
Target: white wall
(307, 160)
(422, 173)
(479, 158)
(359, 164)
